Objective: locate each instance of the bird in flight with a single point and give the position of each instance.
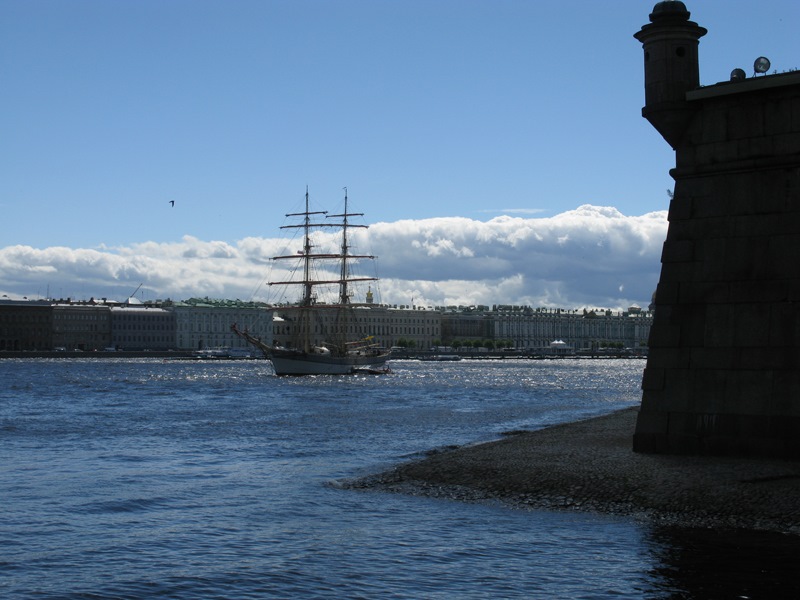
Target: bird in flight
(172, 202)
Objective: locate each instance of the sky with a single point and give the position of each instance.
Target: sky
(496, 146)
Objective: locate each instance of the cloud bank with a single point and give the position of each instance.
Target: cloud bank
(588, 257)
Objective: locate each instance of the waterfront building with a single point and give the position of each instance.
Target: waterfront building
(136, 326)
(534, 329)
(26, 325)
(84, 326)
(202, 323)
(466, 323)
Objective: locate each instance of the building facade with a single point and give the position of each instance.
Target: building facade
(202, 324)
(535, 329)
(81, 326)
(137, 327)
(26, 325)
(205, 324)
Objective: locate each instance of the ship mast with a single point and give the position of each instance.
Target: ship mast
(344, 296)
(307, 285)
(343, 256)
(305, 313)
(344, 253)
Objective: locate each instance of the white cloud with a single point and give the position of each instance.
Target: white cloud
(590, 256)
(514, 211)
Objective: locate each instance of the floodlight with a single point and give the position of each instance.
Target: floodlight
(738, 75)
(761, 65)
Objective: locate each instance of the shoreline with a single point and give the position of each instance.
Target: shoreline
(590, 466)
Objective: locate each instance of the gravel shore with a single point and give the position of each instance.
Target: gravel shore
(590, 466)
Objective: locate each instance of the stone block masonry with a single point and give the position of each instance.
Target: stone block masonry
(723, 374)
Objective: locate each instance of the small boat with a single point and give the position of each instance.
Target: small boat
(310, 319)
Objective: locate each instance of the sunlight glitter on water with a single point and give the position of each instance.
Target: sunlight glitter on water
(143, 479)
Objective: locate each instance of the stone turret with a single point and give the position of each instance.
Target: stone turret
(671, 68)
(723, 370)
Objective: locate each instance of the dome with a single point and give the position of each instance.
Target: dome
(670, 9)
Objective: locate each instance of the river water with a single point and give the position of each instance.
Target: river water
(132, 478)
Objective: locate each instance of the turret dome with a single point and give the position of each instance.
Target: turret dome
(669, 9)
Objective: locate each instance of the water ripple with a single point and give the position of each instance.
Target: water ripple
(151, 479)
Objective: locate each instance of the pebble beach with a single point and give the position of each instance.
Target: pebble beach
(590, 466)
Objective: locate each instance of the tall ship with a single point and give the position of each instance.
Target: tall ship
(325, 338)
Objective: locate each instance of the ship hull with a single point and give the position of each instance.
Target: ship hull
(287, 362)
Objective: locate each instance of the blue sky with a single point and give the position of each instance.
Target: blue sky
(424, 109)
